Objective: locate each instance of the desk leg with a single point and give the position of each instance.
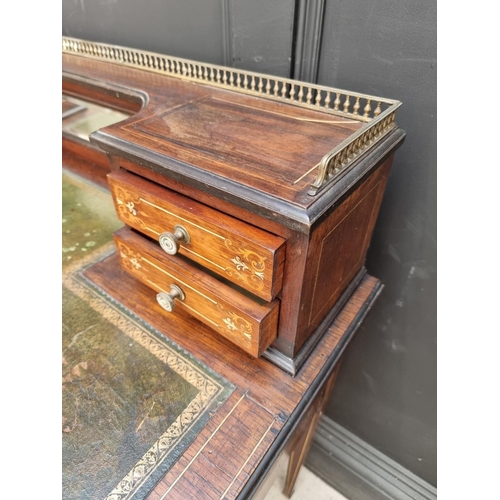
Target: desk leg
(305, 432)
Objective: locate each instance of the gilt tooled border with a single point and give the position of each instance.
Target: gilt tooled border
(208, 388)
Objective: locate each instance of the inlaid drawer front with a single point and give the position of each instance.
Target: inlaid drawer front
(181, 286)
(239, 252)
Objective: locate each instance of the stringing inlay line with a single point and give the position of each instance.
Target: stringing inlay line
(249, 457)
(203, 447)
(181, 218)
(307, 173)
(201, 257)
(177, 279)
(347, 121)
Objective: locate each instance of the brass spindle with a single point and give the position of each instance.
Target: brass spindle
(368, 108)
(356, 107)
(378, 109)
(347, 103)
(336, 103)
(309, 96)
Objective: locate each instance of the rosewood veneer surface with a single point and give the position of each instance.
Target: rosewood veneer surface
(233, 452)
(252, 160)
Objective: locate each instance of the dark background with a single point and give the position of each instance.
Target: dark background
(386, 391)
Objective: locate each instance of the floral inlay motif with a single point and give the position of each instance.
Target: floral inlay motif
(127, 207)
(230, 324)
(130, 259)
(240, 265)
(236, 324)
(130, 205)
(134, 262)
(249, 266)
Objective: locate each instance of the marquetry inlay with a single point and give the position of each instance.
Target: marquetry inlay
(221, 317)
(247, 265)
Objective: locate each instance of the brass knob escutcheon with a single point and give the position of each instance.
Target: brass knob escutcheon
(170, 242)
(167, 300)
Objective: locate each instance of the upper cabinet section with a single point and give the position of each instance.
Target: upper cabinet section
(277, 143)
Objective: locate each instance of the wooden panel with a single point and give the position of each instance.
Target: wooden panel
(239, 252)
(256, 143)
(342, 251)
(106, 95)
(206, 198)
(338, 249)
(249, 325)
(86, 161)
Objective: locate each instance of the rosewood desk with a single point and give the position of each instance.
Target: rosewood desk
(220, 222)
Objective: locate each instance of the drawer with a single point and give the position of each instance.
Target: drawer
(249, 324)
(243, 254)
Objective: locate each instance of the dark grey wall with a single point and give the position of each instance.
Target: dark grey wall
(386, 391)
(254, 35)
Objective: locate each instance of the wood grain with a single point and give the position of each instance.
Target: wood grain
(250, 325)
(224, 162)
(85, 160)
(235, 169)
(272, 400)
(337, 250)
(246, 157)
(243, 254)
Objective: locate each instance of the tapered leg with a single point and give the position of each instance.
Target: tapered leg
(305, 432)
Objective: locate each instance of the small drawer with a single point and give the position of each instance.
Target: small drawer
(180, 285)
(235, 250)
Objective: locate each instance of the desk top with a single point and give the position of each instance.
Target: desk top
(281, 148)
(153, 416)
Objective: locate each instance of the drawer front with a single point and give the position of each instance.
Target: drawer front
(239, 252)
(181, 286)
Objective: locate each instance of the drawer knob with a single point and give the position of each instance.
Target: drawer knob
(170, 241)
(166, 300)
